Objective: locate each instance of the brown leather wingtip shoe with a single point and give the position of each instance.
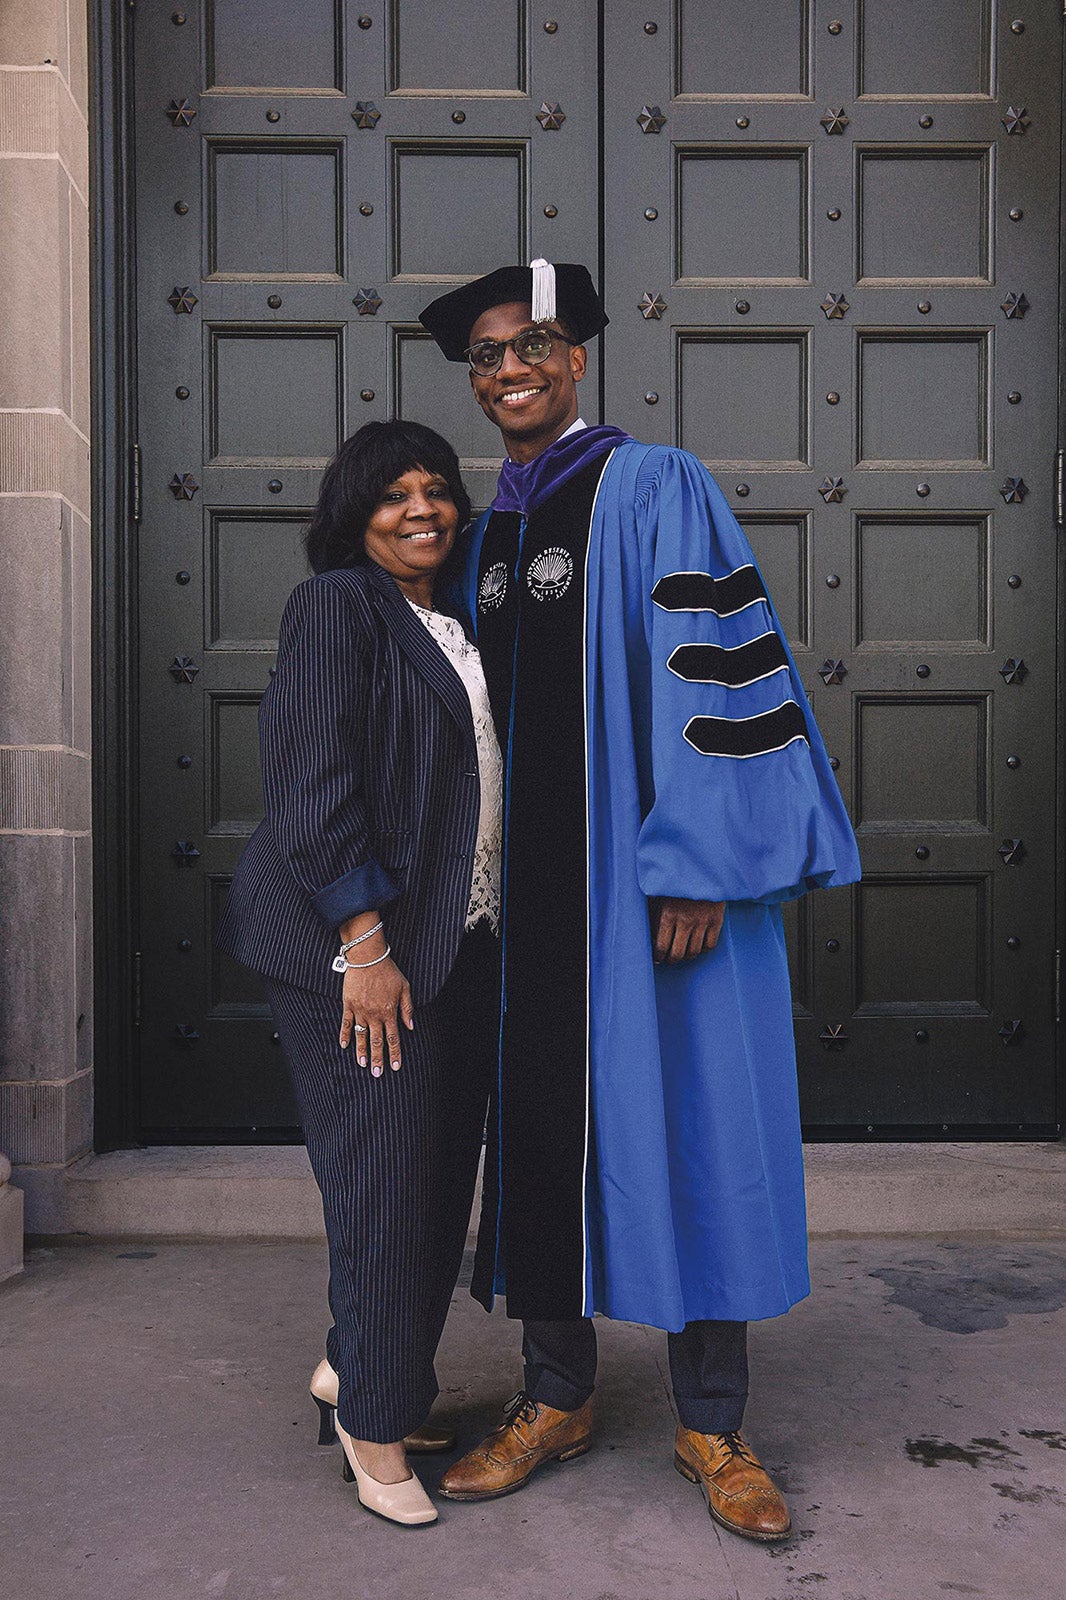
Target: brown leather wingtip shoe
(740, 1493)
(531, 1434)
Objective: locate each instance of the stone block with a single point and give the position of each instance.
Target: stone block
(78, 53)
(46, 1123)
(33, 32)
(11, 1223)
(43, 789)
(40, 117)
(44, 1192)
(35, 621)
(35, 270)
(38, 990)
(41, 452)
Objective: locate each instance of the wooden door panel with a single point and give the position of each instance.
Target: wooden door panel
(248, 46)
(321, 174)
(830, 249)
(925, 49)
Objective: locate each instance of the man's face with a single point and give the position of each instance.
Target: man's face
(531, 405)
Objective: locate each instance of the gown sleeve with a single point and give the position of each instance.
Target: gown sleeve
(744, 804)
(310, 737)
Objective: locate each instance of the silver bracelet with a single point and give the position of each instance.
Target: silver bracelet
(368, 934)
(341, 963)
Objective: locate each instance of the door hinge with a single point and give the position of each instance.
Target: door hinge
(135, 482)
(1058, 985)
(136, 988)
(1060, 488)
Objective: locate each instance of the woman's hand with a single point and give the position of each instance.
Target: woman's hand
(376, 999)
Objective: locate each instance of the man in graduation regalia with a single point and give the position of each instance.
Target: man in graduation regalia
(666, 790)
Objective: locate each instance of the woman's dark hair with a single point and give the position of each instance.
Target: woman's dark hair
(358, 476)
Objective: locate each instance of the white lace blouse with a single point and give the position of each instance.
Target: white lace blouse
(464, 657)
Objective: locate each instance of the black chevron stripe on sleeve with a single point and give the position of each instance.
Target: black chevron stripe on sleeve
(747, 736)
(699, 591)
(744, 664)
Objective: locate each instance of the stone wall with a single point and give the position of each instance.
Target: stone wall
(45, 846)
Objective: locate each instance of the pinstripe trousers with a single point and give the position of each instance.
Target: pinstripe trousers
(396, 1161)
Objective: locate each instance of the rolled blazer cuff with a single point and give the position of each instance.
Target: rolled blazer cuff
(359, 890)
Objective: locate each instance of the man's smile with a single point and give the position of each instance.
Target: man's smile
(519, 397)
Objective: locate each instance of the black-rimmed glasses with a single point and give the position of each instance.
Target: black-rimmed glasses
(532, 347)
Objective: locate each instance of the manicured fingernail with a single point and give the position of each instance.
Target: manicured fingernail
(376, 1071)
(344, 1044)
(362, 1061)
(395, 1066)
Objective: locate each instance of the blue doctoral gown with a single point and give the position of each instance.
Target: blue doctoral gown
(707, 779)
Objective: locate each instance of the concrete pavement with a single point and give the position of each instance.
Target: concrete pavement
(157, 1443)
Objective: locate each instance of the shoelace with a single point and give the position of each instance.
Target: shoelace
(520, 1408)
(737, 1447)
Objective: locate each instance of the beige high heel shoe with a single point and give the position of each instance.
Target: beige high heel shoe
(428, 1440)
(406, 1503)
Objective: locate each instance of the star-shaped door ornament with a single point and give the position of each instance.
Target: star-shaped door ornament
(367, 302)
(835, 305)
(651, 119)
(366, 115)
(182, 300)
(183, 485)
(835, 121)
(1014, 491)
(1015, 305)
(183, 669)
(832, 672)
(551, 115)
(185, 853)
(181, 113)
(1012, 1031)
(833, 1036)
(832, 490)
(652, 306)
(1014, 670)
(1016, 120)
(1012, 852)
(185, 1033)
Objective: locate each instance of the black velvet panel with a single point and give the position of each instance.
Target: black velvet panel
(747, 736)
(531, 618)
(710, 663)
(699, 591)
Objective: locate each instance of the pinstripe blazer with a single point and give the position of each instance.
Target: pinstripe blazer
(370, 783)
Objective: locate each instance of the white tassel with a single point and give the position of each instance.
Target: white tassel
(543, 290)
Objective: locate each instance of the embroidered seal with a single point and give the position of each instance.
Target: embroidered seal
(550, 573)
(493, 587)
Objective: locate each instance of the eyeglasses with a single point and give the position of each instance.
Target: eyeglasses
(532, 347)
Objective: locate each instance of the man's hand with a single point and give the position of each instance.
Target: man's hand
(682, 929)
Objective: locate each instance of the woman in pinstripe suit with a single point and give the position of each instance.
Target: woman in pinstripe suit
(382, 788)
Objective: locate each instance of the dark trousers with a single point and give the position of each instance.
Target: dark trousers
(396, 1161)
(708, 1369)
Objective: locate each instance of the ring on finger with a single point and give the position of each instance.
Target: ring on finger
(358, 1026)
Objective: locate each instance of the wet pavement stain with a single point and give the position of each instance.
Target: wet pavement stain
(971, 1292)
(1049, 1436)
(1041, 1494)
(932, 1452)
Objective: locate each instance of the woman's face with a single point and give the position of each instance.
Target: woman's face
(413, 527)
